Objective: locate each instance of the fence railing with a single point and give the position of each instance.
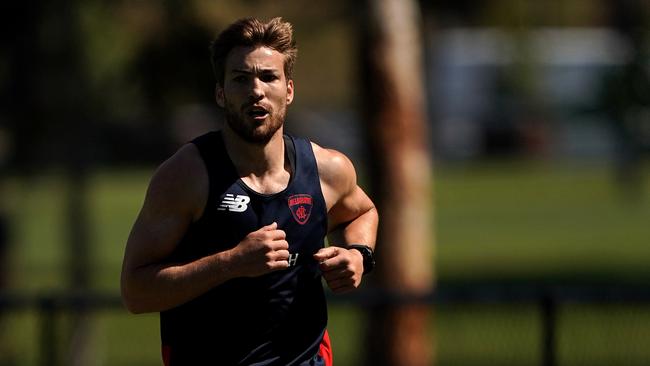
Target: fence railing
(49, 305)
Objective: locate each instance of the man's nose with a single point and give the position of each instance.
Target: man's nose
(257, 89)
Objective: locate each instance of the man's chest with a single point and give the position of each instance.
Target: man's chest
(300, 211)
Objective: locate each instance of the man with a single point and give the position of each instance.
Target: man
(228, 246)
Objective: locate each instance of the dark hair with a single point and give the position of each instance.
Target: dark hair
(276, 34)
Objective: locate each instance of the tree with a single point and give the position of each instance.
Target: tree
(394, 103)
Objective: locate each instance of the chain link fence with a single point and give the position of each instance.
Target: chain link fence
(472, 325)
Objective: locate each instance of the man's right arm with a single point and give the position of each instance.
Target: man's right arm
(176, 197)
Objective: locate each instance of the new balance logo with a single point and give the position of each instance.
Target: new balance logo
(234, 204)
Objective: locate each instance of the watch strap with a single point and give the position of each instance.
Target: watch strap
(367, 254)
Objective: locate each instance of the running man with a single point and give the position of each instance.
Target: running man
(229, 244)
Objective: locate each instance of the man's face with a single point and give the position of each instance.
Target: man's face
(255, 92)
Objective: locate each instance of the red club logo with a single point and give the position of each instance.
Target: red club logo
(300, 206)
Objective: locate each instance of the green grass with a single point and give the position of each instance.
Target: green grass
(487, 334)
(604, 335)
(513, 222)
(507, 222)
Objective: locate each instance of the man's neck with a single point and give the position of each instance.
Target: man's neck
(261, 166)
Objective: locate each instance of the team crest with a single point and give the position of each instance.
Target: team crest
(300, 206)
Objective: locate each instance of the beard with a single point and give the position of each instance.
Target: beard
(251, 131)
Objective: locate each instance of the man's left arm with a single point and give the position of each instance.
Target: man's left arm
(352, 219)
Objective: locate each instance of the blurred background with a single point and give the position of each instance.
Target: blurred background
(539, 132)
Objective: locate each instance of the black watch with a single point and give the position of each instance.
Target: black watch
(368, 256)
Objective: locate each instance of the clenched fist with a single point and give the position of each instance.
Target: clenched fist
(261, 252)
(342, 268)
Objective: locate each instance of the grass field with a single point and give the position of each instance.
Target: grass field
(496, 222)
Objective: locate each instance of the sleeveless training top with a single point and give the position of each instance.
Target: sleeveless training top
(275, 319)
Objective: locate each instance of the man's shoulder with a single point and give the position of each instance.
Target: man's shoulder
(334, 167)
(330, 158)
(194, 156)
(186, 160)
(207, 138)
(181, 178)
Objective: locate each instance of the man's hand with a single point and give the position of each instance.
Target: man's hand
(261, 252)
(342, 268)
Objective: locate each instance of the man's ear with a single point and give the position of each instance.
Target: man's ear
(289, 91)
(219, 96)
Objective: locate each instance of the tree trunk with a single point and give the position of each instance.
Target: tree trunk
(395, 114)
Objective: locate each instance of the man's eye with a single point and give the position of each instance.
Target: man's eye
(269, 77)
(239, 78)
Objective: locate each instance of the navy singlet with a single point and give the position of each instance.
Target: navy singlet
(275, 319)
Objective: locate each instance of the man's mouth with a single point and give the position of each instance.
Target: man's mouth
(257, 113)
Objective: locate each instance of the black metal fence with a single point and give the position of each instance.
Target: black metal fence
(546, 298)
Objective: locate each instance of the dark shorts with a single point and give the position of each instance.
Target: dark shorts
(322, 358)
